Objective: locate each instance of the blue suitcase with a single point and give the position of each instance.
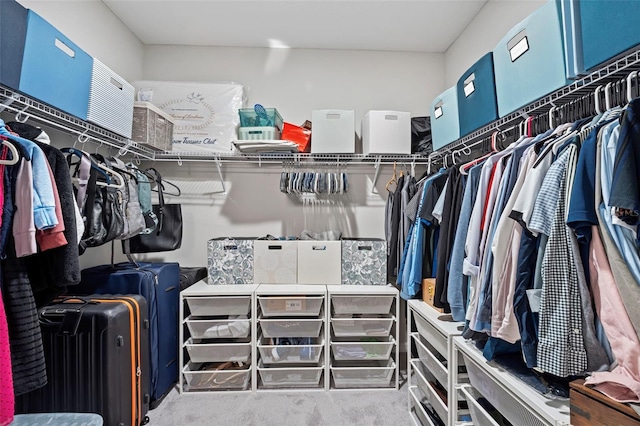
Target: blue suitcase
(159, 283)
(477, 103)
(445, 126)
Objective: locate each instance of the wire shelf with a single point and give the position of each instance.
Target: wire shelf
(27, 108)
(613, 71)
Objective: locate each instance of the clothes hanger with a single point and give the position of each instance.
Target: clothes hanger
(393, 179)
(15, 156)
(155, 177)
(80, 154)
(632, 75)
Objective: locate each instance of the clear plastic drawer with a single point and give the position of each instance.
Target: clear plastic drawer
(430, 361)
(367, 349)
(427, 389)
(418, 409)
(362, 304)
(290, 327)
(345, 327)
(219, 305)
(290, 350)
(376, 374)
(218, 352)
(216, 376)
(277, 306)
(479, 415)
(218, 329)
(290, 376)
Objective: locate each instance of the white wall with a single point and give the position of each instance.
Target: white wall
(296, 81)
(495, 19)
(92, 26)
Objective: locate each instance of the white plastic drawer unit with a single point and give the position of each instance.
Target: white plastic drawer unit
(219, 305)
(418, 411)
(374, 374)
(428, 391)
(362, 304)
(218, 352)
(430, 361)
(272, 352)
(290, 327)
(368, 349)
(345, 327)
(479, 415)
(430, 334)
(290, 376)
(288, 306)
(218, 329)
(215, 377)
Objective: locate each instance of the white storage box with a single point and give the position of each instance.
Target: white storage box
(286, 306)
(230, 260)
(219, 305)
(362, 304)
(333, 131)
(218, 352)
(290, 354)
(152, 127)
(110, 100)
(275, 262)
(290, 376)
(364, 261)
(365, 350)
(205, 114)
(218, 329)
(215, 379)
(291, 327)
(376, 374)
(430, 362)
(386, 132)
(319, 262)
(345, 327)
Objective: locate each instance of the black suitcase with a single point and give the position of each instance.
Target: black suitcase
(96, 350)
(189, 275)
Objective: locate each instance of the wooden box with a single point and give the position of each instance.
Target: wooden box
(590, 407)
(429, 291)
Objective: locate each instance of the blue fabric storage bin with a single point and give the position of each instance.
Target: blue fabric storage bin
(445, 125)
(529, 61)
(54, 69)
(598, 30)
(477, 104)
(13, 30)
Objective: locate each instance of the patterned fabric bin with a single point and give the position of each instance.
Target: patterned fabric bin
(230, 260)
(364, 261)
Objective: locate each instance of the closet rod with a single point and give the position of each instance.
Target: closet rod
(585, 85)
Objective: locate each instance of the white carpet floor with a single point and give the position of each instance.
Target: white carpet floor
(278, 408)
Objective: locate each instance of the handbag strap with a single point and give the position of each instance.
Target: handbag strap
(160, 187)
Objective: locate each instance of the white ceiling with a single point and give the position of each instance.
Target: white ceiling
(398, 25)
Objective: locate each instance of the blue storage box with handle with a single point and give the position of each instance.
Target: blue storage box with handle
(13, 30)
(529, 61)
(54, 69)
(597, 31)
(477, 104)
(445, 126)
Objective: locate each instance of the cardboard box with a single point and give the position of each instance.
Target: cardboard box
(429, 291)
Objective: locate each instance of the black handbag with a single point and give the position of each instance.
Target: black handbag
(168, 234)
